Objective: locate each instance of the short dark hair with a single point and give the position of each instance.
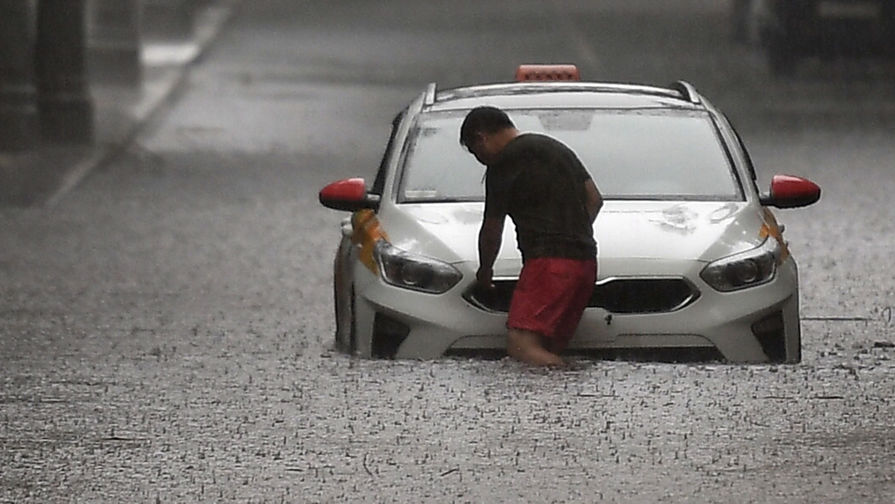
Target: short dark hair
(483, 119)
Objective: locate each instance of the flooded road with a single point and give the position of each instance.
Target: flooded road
(166, 329)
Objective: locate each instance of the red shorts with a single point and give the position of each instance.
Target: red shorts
(551, 296)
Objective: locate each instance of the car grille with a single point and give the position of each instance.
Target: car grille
(616, 295)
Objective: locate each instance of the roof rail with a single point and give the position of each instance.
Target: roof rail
(686, 90)
(430, 94)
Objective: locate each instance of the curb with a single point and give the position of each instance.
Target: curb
(155, 95)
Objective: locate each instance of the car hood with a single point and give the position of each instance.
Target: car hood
(659, 230)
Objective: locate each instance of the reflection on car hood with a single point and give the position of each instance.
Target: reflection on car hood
(670, 230)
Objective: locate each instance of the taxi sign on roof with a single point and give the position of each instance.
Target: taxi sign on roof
(526, 73)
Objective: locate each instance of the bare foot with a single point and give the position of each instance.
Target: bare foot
(528, 347)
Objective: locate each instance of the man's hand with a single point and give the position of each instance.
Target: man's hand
(484, 285)
(489, 245)
(483, 279)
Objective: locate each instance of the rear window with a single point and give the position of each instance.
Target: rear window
(632, 154)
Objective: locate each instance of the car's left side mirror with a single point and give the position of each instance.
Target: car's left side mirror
(788, 191)
(349, 195)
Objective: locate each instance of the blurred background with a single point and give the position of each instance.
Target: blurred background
(75, 73)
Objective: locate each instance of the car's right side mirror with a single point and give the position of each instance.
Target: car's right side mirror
(789, 191)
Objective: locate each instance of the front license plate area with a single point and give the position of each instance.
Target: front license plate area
(595, 326)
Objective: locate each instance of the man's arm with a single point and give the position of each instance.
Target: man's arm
(593, 201)
(490, 237)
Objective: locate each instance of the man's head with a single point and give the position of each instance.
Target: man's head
(485, 132)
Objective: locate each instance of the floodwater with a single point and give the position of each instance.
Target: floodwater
(166, 329)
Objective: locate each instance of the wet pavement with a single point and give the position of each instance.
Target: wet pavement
(166, 327)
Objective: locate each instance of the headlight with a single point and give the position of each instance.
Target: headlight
(746, 269)
(410, 271)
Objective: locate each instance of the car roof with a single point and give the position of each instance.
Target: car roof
(566, 95)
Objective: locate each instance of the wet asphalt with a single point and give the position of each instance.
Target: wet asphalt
(166, 328)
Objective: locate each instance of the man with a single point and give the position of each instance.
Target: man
(544, 188)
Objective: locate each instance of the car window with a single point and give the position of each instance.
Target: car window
(631, 154)
(379, 182)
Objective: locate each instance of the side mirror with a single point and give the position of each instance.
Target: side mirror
(788, 191)
(349, 195)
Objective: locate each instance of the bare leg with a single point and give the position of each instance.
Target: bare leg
(528, 347)
(554, 345)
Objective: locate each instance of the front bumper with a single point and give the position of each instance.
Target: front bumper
(759, 324)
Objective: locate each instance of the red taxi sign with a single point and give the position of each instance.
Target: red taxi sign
(526, 73)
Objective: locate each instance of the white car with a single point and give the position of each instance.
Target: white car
(690, 257)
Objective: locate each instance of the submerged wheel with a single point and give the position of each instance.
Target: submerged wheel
(352, 325)
(346, 330)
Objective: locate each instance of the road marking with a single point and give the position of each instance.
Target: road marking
(158, 54)
(74, 176)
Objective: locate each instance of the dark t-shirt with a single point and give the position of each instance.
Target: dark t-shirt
(539, 183)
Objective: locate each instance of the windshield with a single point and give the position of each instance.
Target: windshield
(631, 154)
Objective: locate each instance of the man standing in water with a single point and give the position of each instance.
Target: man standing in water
(542, 185)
